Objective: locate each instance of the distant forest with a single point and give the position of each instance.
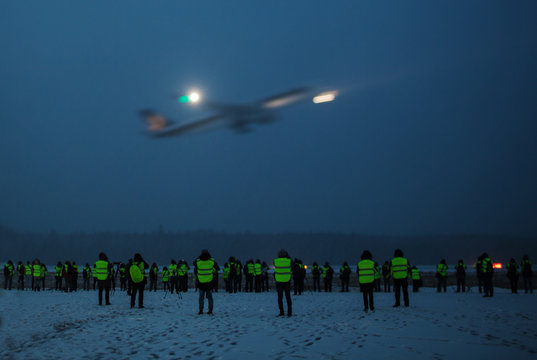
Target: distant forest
(161, 246)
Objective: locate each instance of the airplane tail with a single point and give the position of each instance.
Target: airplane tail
(154, 121)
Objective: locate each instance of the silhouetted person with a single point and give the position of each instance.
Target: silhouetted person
(328, 273)
(527, 273)
(512, 274)
(204, 270)
(399, 271)
(139, 279)
(441, 276)
(344, 276)
(487, 271)
(282, 277)
(386, 276)
(316, 275)
(58, 275)
(460, 273)
(366, 278)
(416, 278)
(153, 274)
(103, 269)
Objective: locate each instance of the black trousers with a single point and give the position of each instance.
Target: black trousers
(21, 283)
(345, 285)
(528, 284)
(140, 289)
(104, 285)
(153, 285)
(367, 292)
(513, 281)
(282, 287)
(488, 288)
(317, 284)
(442, 284)
(387, 284)
(461, 283)
(123, 284)
(327, 285)
(398, 285)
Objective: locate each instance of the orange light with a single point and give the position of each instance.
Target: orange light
(497, 265)
(306, 267)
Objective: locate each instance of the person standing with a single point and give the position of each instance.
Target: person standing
(257, 275)
(460, 270)
(479, 272)
(264, 277)
(204, 270)
(399, 272)
(67, 276)
(366, 278)
(153, 275)
(74, 278)
(512, 274)
(282, 276)
(316, 275)
(441, 276)
(527, 273)
(165, 278)
(182, 272)
(43, 275)
(386, 276)
(139, 279)
(9, 270)
(250, 273)
(173, 275)
(238, 278)
(344, 276)
(28, 273)
(21, 270)
(378, 275)
(103, 270)
(122, 277)
(36, 274)
(328, 273)
(416, 278)
(58, 276)
(487, 271)
(86, 274)
(216, 271)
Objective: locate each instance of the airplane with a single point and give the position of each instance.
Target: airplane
(238, 117)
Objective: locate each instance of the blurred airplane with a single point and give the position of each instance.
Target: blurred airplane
(239, 117)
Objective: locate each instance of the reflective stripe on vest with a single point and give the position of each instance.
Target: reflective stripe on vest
(366, 271)
(282, 269)
(36, 270)
(101, 270)
(399, 268)
(415, 274)
(205, 270)
(257, 268)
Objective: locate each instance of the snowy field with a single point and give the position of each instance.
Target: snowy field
(56, 325)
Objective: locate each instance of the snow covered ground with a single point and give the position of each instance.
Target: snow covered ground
(56, 325)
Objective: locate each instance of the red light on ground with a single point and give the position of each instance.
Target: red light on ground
(497, 265)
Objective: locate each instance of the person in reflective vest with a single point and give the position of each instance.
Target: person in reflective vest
(173, 275)
(165, 278)
(527, 274)
(399, 272)
(282, 277)
(298, 276)
(479, 272)
(460, 274)
(20, 272)
(238, 278)
(416, 278)
(225, 275)
(36, 273)
(28, 273)
(316, 275)
(43, 274)
(257, 275)
(250, 273)
(86, 274)
(74, 276)
(441, 276)
(182, 275)
(327, 273)
(512, 275)
(366, 278)
(487, 271)
(103, 270)
(122, 277)
(153, 275)
(377, 277)
(138, 279)
(58, 276)
(232, 275)
(344, 276)
(94, 275)
(204, 270)
(9, 270)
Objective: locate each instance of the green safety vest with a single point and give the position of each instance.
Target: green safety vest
(205, 270)
(87, 271)
(257, 268)
(238, 268)
(325, 271)
(165, 275)
(399, 268)
(122, 273)
(282, 269)
(366, 271)
(183, 270)
(251, 268)
(172, 269)
(101, 270)
(36, 270)
(43, 271)
(226, 272)
(442, 269)
(377, 272)
(58, 271)
(28, 269)
(415, 274)
(486, 265)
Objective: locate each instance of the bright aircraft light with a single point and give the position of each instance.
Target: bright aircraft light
(194, 97)
(497, 265)
(325, 97)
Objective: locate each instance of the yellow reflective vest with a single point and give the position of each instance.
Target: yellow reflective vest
(366, 271)
(399, 268)
(101, 270)
(282, 269)
(204, 270)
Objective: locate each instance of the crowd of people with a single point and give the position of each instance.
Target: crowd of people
(136, 273)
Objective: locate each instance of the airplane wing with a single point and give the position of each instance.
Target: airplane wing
(286, 98)
(159, 126)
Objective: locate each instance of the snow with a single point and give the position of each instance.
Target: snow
(56, 325)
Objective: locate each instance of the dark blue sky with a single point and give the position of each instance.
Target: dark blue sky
(434, 133)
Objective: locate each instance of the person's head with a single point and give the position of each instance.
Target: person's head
(283, 253)
(443, 261)
(138, 258)
(485, 255)
(525, 257)
(172, 261)
(102, 256)
(366, 255)
(512, 260)
(315, 263)
(164, 268)
(398, 253)
(345, 264)
(460, 261)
